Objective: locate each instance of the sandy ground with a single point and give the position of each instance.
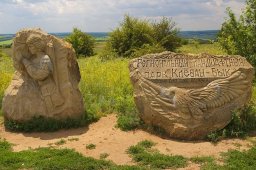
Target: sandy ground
(115, 142)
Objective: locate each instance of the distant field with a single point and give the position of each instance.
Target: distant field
(202, 48)
(7, 42)
(102, 36)
(99, 45)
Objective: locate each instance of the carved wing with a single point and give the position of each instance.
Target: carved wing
(219, 92)
(157, 98)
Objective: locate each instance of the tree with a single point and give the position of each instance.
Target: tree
(134, 34)
(81, 42)
(166, 35)
(238, 36)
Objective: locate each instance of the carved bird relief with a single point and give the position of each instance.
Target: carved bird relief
(194, 102)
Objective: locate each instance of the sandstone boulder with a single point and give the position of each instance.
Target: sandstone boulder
(45, 83)
(190, 96)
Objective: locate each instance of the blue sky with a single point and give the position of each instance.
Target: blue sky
(105, 15)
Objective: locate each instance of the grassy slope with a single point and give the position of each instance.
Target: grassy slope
(202, 48)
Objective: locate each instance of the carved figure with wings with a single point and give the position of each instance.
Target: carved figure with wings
(194, 102)
(46, 79)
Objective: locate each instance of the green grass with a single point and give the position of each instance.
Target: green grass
(90, 146)
(243, 122)
(235, 159)
(129, 121)
(99, 46)
(214, 49)
(6, 72)
(49, 158)
(106, 88)
(143, 154)
(40, 124)
(6, 51)
(73, 139)
(7, 42)
(104, 155)
(202, 159)
(60, 142)
(101, 39)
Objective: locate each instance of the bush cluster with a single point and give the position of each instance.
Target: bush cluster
(237, 36)
(243, 121)
(81, 42)
(136, 37)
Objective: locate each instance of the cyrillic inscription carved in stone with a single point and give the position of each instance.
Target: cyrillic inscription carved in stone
(190, 95)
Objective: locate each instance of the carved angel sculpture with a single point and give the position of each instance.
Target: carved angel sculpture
(194, 102)
(45, 83)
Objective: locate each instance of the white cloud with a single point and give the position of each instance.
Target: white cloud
(98, 15)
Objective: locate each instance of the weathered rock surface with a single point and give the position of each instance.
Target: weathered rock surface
(190, 96)
(46, 79)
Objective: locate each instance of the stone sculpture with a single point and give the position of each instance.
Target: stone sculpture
(190, 96)
(46, 79)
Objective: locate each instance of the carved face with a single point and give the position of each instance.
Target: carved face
(168, 93)
(35, 44)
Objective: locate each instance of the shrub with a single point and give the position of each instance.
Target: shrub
(166, 35)
(4, 145)
(237, 36)
(135, 34)
(243, 121)
(81, 42)
(128, 121)
(132, 33)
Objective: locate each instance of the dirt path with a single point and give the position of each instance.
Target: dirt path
(115, 142)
